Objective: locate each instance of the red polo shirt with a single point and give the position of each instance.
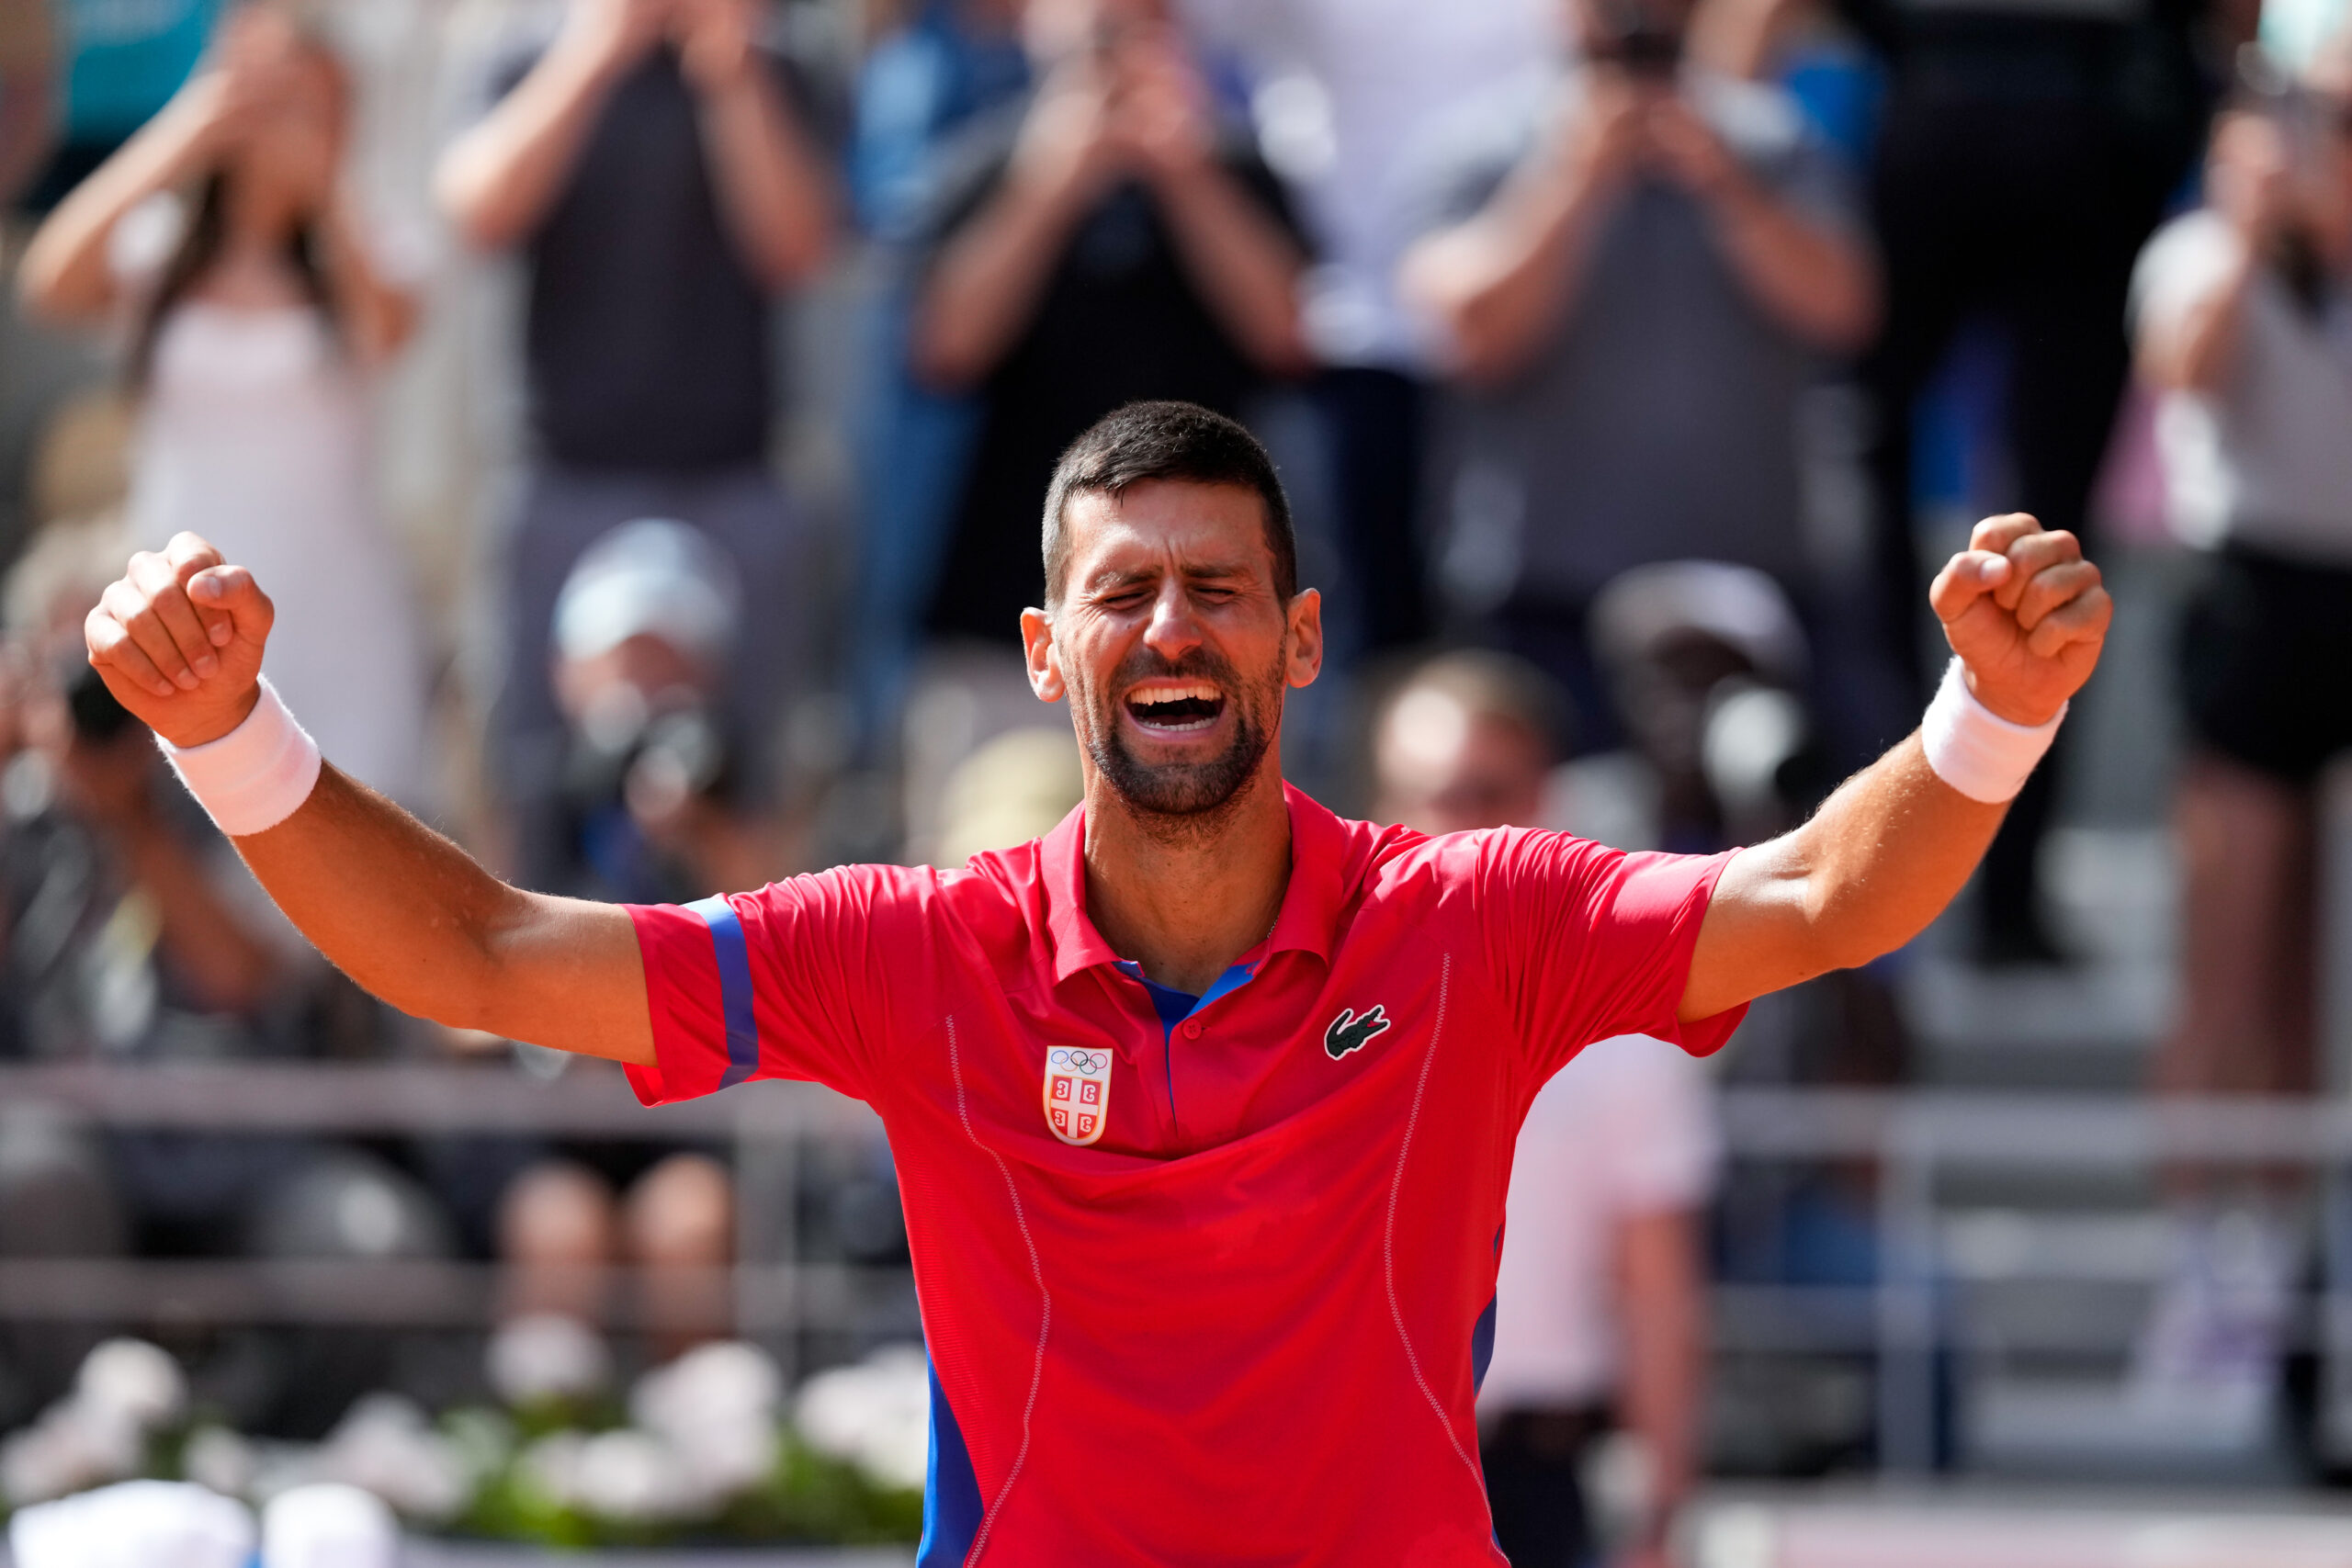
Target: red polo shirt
(1202, 1283)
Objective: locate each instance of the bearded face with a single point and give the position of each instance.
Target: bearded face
(1179, 738)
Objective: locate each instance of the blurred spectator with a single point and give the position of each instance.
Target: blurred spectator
(26, 42)
(933, 69)
(257, 309)
(1107, 240)
(121, 64)
(1010, 790)
(652, 166)
(645, 635)
(2239, 311)
(646, 629)
(928, 76)
(2025, 151)
(1598, 1314)
(1708, 662)
(1344, 90)
(1636, 266)
(562, 1229)
(133, 932)
(1467, 740)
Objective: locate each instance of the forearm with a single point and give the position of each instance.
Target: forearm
(1873, 867)
(1819, 285)
(1741, 39)
(773, 194)
(376, 314)
(413, 919)
(2193, 351)
(1500, 284)
(987, 282)
(1245, 267)
(65, 275)
(498, 180)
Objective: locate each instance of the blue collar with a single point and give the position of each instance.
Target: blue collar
(1174, 1006)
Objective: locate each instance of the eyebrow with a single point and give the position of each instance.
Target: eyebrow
(1110, 580)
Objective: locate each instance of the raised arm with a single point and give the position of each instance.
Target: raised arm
(497, 181)
(65, 275)
(377, 314)
(398, 907)
(1244, 267)
(2187, 340)
(1820, 283)
(989, 275)
(1499, 282)
(773, 193)
(2027, 617)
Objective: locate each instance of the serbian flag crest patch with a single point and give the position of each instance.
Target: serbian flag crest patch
(1077, 1093)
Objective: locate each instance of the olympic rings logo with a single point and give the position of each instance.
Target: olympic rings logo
(1087, 1062)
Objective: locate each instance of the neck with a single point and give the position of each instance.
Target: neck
(255, 227)
(1184, 898)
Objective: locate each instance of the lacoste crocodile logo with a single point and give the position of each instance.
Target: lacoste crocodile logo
(1347, 1033)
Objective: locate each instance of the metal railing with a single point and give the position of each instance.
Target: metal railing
(1909, 1142)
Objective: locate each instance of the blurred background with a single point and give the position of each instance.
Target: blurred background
(639, 410)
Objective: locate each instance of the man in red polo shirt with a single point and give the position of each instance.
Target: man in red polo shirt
(1203, 1105)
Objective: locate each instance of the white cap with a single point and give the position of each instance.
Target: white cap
(1735, 604)
(653, 577)
(139, 1524)
(327, 1525)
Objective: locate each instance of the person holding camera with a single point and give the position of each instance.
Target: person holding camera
(655, 168)
(1104, 241)
(1633, 266)
(2238, 313)
(130, 934)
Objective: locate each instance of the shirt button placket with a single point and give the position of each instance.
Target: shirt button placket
(1191, 1028)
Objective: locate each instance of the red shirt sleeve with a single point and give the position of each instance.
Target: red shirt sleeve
(1588, 942)
(777, 984)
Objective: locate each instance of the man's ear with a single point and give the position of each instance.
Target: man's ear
(1044, 661)
(1306, 641)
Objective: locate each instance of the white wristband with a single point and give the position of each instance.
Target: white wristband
(256, 776)
(1974, 750)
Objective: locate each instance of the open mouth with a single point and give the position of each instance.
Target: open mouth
(1175, 708)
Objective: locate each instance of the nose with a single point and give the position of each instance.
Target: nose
(1175, 631)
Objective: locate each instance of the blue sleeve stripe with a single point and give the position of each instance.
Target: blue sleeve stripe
(950, 1496)
(734, 988)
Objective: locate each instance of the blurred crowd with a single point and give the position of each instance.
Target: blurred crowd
(639, 411)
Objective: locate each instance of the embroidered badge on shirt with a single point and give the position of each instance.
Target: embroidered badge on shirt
(1347, 1033)
(1078, 1094)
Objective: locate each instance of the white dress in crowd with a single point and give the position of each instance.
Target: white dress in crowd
(255, 430)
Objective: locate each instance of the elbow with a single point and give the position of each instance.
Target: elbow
(1846, 314)
(465, 201)
(1281, 348)
(945, 359)
(798, 259)
(2180, 363)
(1478, 354)
(49, 291)
(1475, 345)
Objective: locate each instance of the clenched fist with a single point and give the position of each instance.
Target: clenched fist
(178, 640)
(2027, 614)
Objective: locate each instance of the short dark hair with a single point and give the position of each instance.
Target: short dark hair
(1182, 442)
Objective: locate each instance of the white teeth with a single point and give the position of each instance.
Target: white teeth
(1172, 693)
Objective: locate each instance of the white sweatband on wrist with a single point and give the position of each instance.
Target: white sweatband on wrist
(256, 776)
(1974, 750)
